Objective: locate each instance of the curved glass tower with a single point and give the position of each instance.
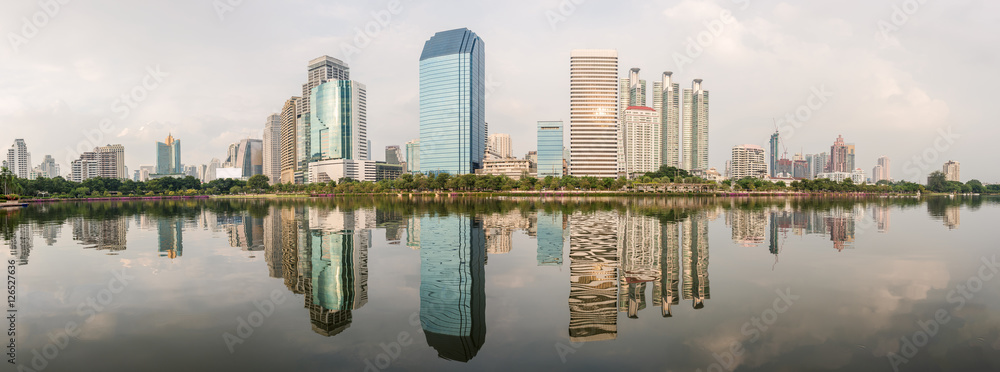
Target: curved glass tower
(452, 103)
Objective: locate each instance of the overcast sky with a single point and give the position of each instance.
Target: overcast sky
(894, 85)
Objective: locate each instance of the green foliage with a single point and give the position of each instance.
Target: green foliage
(258, 182)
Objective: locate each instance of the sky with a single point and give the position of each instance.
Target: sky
(906, 79)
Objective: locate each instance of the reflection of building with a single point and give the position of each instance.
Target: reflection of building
(106, 234)
(244, 231)
(339, 270)
(665, 289)
(452, 286)
(289, 221)
(840, 225)
(748, 226)
(881, 215)
(695, 260)
(170, 231)
(20, 243)
(413, 232)
(550, 238)
(952, 217)
(593, 292)
(640, 249)
(272, 243)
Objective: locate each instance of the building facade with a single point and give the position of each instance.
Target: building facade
(952, 171)
(748, 161)
(838, 157)
(413, 156)
(168, 156)
(550, 149)
(695, 127)
(272, 148)
(19, 159)
(500, 145)
(643, 140)
(593, 126)
(289, 159)
(453, 103)
(666, 101)
(339, 121)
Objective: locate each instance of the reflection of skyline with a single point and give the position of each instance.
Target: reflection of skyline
(452, 286)
(593, 271)
(107, 234)
(336, 273)
(694, 256)
(171, 237)
(549, 236)
(640, 249)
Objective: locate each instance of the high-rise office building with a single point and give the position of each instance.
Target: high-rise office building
(631, 93)
(593, 125)
(952, 171)
(393, 155)
(881, 171)
(666, 101)
(339, 121)
(641, 129)
(850, 157)
(413, 156)
(550, 149)
(499, 145)
(774, 155)
(249, 157)
(19, 159)
(272, 148)
(111, 161)
(105, 161)
(695, 127)
(453, 103)
(289, 160)
(321, 70)
(748, 161)
(168, 156)
(339, 139)
(839, 159)
(820, 163)
(49, 167)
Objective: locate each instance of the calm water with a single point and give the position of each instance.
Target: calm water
(605, 284)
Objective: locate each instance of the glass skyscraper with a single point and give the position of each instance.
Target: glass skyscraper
(550, 149)
(452, 103)
(338, 121)
(168, 156)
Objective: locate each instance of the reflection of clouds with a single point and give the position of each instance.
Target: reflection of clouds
(101, 327)
(874, 302)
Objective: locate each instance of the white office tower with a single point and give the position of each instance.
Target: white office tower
(593, 133)
(667, 101)
(695, 128)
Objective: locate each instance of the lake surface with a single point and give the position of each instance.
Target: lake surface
(658, 284)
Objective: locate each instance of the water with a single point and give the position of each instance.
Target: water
(588, 284)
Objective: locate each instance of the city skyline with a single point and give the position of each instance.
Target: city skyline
(905, 98)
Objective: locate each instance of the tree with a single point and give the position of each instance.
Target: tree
(976, 186)
(937, 182)
(258, 182)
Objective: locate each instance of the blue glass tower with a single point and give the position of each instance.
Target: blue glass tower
(452, 103)
(338, 123)
(550, 149)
